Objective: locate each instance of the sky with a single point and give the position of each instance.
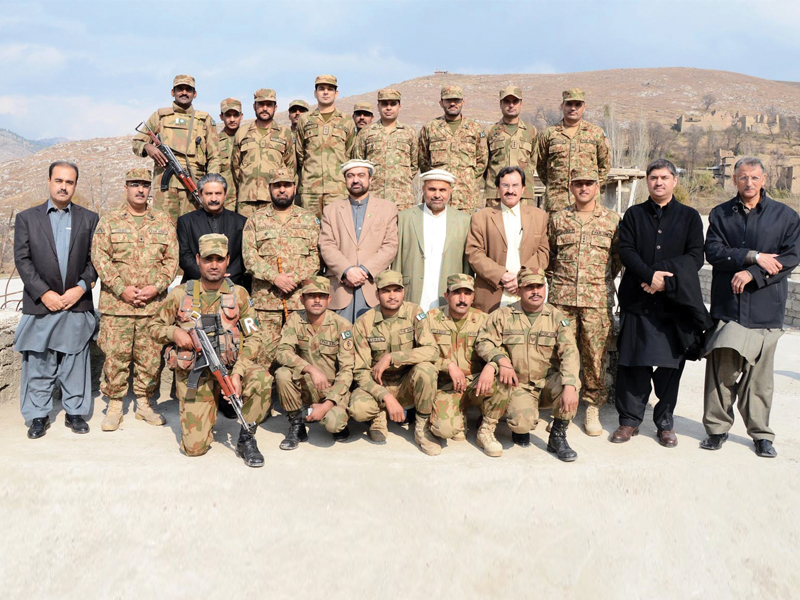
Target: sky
(98, 68)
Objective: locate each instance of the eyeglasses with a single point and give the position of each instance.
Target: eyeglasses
(136, 184)
(510, 186)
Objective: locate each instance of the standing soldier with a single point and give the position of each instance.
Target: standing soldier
(296, 108)
(392, 147)
(394, 370)
(583, 265)
(362, 115)
(230, 113)
(458, 145)
(325, 139)
(279, 245)
(260, 148)
(511, 143)
(135, 253)
(192, 136)
(571, 144)
(316, 354)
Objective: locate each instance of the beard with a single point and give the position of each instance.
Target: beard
(283, 202)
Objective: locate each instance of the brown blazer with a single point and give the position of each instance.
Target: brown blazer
(340, 249)
(487, 248)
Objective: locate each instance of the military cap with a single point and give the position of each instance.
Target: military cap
(459, 281)
(326, 79)
(316, 284)
(388, 94)
(387, 278)
(511, 90)
(281, 175)
(139, 174)
(527, 276)
(438, 175)
(183, 80)
(301, 103)
(452, 91)
(573, 94)
(583, 174)
(353, 163)
(363, 107)
(213, 243)
(230, 104)
(264, 94)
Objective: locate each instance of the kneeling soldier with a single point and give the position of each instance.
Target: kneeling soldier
(394, 370)
(237, 338)
(316, 354)
(534, 349)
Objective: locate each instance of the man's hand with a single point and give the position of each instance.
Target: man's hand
(71, 296)
(485, 381)
(319, 410)
(396, 412)
(769, 263)
(657, 285)
(146, 294)
(508, 375)
(318, 378)
(236, 380)
(509, 282)
(182, 339)
(285, 283)
(569, 399)
(740, 280)
(383, 363)
(355, 277)
(53, 301)
(128, 295)
(156, 154)
(457, 376)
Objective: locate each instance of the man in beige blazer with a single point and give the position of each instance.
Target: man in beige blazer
(357, 241)
(503, 239)
(432, 238)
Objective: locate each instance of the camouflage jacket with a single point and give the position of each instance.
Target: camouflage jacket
(225, 151)
(172, 124)
(256, 153)
(583, 257)
(330, 349)
(322, 149)
(464, 154)
(507, 150)
(395, 154)
(406, 336)
(162, 327)
(535, 349)
(265, 239)
(457, 346)
(124, 253)
(557, 155)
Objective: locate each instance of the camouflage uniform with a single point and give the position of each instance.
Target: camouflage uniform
(225, 152)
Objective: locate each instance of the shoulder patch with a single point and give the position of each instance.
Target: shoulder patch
(483, 134)
(565, 322)
(421, 316)
(316, 220)
(346, 335)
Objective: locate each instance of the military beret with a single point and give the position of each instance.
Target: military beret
(316, 284)
(363, 107)
(438, 175)
(573, 94)
(583, 174)
(139, 174)
(452, 91)
(326, 79)
(388, 94)
(353, 163)
(230, 104)
(511, 90)
(300, 103)
(281, 175)
(460, 281)
(387, 278)
(527, 276)
(183, 80)
(264, 94)
(213, 243)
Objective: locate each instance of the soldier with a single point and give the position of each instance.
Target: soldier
(571, 144)
(584, 262)
(135, 253)
(192, 135)
(325, 139)
(458, 145)
(214, 295)
(316, 351)
(296, 108)
(511, 142)
(392, 147)
(362, 115)
(230, 113)
(394, 370)
(464, 378)
(279, 245)
(260, 148)
(533, 349)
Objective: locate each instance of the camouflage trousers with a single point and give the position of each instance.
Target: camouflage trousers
(126, 341)
(247, 209)
(199, 415)
(175, 201)
(447, 416)
(271, 322)
(521, 404)
(416, 388)
(556, 198)
(593, 329)
(316, 202)
(296, 393)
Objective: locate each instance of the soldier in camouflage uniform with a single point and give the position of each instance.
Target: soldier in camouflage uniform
(392, 147)
(296, 108)
(583, 265)
(316, 354)
(464, 378)
(572, 144)
(458, 145)
(394, 369)
(214, 295)
(192, 135)
(325, 139)
(512, 142)
(260, 148)
(362, 115)
(230, 113)
(533, 349)
(285, 233)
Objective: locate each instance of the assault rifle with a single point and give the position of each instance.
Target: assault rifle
(173, 166)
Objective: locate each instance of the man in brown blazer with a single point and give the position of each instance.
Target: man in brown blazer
(503, 239)
(357, 241)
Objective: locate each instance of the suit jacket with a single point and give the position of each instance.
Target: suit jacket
(36, 260)
(339, 248)
(487, 248)
(410, 260)
(197, 223)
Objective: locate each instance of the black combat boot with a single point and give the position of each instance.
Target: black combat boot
(297, 431)
(521, 439)
(247, 449)
(557, 443)
(341, 436)
(411, 416)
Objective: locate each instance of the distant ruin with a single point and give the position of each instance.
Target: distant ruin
(716, 120)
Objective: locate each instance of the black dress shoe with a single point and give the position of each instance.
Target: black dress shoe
(765, 449)
(521, 439)
(39, 427)
(714, 441)
(341, 436)
(76, 423)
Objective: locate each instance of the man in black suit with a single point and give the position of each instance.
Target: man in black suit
(52, 252)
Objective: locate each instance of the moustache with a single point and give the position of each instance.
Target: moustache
(460, 304)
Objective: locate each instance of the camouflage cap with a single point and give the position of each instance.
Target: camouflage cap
(183, 80)
(460, 281)
(140, 174)
(282, 175)
(354, 162)
(326, 79)
(527, 276)
(452, 91)
(511, 90)
(316, 284)
(230, 104)
(265, 94)
(388, 94)
(363, 107)
(573, 94)
(387, 278)
(301, 103)
(583, 174)
(213, 243)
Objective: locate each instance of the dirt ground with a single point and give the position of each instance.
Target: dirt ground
(125, 515)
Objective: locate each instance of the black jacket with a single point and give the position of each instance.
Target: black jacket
(771, 227)
(36, 260)
(197, 223)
